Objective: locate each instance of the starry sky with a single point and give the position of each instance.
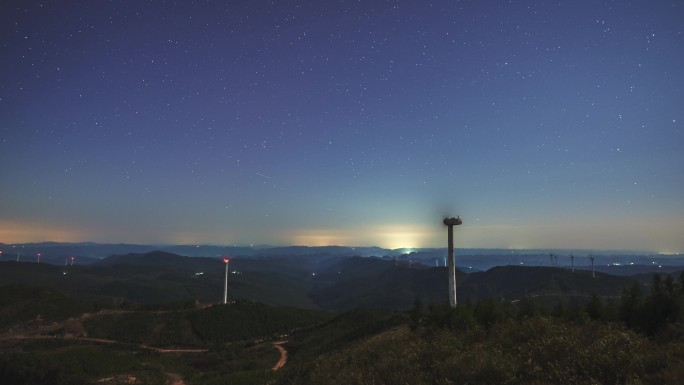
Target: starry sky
(542, 124)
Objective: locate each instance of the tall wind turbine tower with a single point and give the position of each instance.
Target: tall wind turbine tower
(225, 285)
(593, 274)
(450, 223)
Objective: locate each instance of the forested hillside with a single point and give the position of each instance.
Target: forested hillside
(638, 338)
(635, 337)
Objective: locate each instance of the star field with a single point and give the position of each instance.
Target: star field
(544, 125)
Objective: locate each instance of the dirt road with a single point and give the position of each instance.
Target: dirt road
(283, 354)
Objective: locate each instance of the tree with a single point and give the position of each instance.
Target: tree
(594, 307)
(416, 314)
(631, 305)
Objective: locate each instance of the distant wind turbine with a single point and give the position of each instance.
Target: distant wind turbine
(572, 262)
(226, 261)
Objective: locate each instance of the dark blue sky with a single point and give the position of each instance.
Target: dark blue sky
(543, 124)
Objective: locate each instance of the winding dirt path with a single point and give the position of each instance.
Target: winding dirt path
(283, 354)
(74, 331)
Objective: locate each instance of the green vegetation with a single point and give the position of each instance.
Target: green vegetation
(245, 320)
(660, 313)
(119, 343)
(59, 362)
(217, 324)
(637, 339)
(149, 328)
(633, 338)
(19, 304)
(342, 331)
(234, 364)
(535, 350)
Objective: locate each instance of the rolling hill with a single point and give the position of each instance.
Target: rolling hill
(310, 281)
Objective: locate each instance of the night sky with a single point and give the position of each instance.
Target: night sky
(542, 124)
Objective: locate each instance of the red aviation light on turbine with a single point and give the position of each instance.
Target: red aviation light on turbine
(226, 259)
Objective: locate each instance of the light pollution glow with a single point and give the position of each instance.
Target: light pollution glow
(656, 235)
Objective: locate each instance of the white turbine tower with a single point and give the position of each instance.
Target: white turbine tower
(450, 223)
(226, 261)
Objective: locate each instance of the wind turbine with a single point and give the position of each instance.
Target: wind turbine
(593, 274)
(226, 261)
(38, 255)
(572, 261)
(450, 223)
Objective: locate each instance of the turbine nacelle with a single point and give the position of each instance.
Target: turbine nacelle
(452, 221)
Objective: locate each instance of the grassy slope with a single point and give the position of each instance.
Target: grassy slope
(202, 327)
(537, 350)
(19, 304)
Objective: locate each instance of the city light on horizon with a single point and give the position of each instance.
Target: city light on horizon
(653, 236)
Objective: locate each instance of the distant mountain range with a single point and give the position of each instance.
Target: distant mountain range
(466, 259)
(324, 281)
